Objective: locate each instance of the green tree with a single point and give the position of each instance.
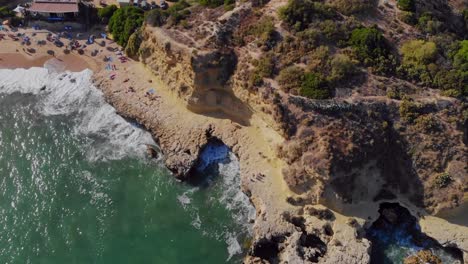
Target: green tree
(406, 5)
(124, 22)
(372, 49)
(6, 12)
(106, 13)
(300, 13)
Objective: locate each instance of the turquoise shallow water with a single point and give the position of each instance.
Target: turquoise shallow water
(73, 193)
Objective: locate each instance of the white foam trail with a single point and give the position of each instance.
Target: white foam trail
(234, 247)
(233, 197)
(110, 136)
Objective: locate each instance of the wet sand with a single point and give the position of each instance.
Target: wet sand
(69, 62)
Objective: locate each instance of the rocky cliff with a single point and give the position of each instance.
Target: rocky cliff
(304, 162)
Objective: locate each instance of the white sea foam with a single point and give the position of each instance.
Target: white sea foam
(234, 247)
(110, 136)
(232, 196)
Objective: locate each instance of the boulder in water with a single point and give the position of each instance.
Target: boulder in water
(423, 257)
(152, 152)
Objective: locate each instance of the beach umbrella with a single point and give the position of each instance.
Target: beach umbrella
(19, 9)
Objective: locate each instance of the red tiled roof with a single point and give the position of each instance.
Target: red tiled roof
(55, 1)
(54, 7)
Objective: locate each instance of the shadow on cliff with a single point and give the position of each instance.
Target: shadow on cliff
(213, 95)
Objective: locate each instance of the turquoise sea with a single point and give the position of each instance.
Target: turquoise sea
(76, 186)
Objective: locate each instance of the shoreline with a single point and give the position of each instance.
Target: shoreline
(177, 129)
(70, 62)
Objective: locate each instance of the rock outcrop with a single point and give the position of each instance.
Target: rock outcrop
(297, 155)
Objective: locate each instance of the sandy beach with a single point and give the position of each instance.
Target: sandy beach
(14, 54)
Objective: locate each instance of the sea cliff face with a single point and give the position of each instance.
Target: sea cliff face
(315, 170)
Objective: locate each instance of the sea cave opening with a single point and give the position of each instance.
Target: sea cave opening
(397, 238)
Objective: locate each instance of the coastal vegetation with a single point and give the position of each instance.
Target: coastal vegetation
(172, 16)
(442, 180)
(314, 86)
(106, 13)
(6, 12)
(406, 5)
(124, 22)
(332, 46)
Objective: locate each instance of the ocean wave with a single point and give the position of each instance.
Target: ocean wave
(225, 189)
(109, 135)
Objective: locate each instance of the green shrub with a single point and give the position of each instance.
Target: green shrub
(124, 22)
(178, 12)
(174, 15)
(418, 52)
(372, 49)
(409, 111)
(300, 13)
(331, 30)
(394, 94)
(211, 3)
(460, 58)
(349, 7)
(417, 60)
(369, 43)
(406, 5)
(454, 82)
(156, 17)
(314, 86)
(229, 5)
(133, 44)
(290, 79)
(255, 79)
(443, 180)
(427, 23)
(6, 12)
(342, 68)
(106, 13)
(265, 66)
(263, 30)
(426, 123)
(408, 17)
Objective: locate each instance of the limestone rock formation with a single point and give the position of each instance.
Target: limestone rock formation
(297, 154)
